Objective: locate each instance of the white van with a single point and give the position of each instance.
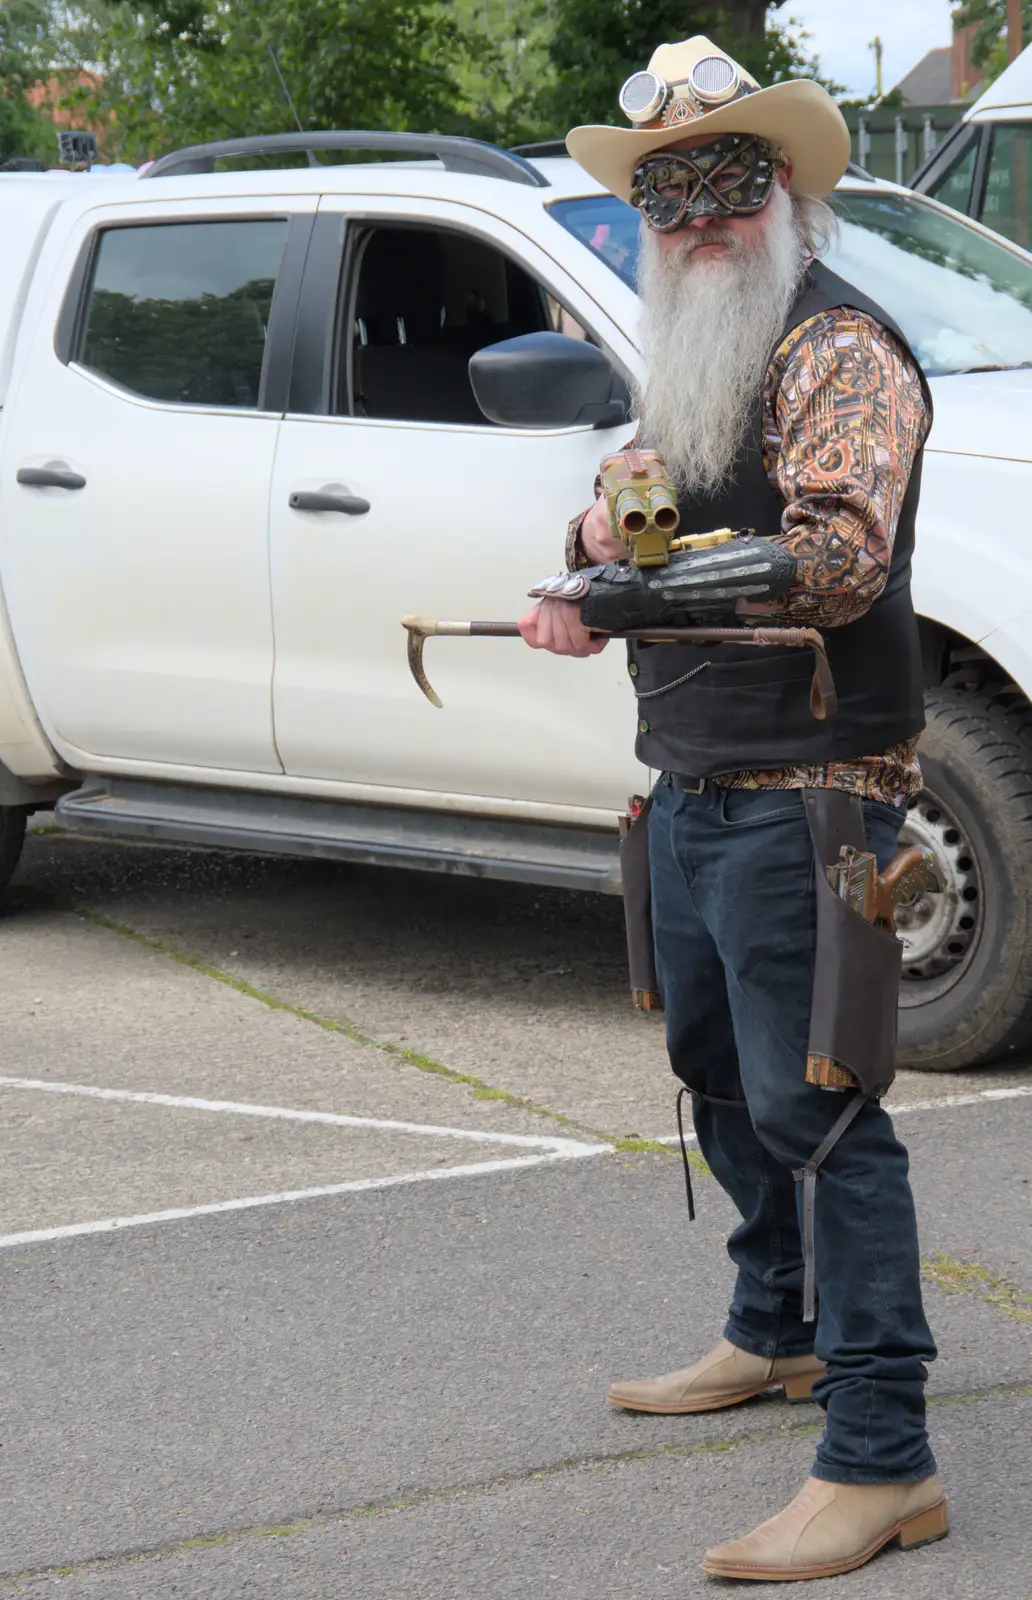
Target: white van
(984, 167)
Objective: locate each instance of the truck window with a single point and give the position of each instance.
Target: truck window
(427, 299)
(1008, 193)
(178, 312)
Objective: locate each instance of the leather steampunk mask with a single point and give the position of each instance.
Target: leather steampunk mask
(730, 176)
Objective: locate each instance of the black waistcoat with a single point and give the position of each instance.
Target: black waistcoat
(710, 709)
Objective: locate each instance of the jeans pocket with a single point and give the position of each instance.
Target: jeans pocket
(753, 808)
(881, 825)
(882, 811)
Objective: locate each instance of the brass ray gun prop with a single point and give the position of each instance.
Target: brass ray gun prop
(642, 502)
(822, 691)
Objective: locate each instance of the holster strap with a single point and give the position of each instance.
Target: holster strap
(807, 1176)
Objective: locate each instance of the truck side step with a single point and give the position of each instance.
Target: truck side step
(271, 824)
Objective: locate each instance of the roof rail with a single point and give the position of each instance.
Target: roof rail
(457, 155)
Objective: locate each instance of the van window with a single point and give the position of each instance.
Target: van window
(179, 311)
(954, 187)
(1008, 192)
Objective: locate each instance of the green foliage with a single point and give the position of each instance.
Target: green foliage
(24, 131)
(989, 51)
(175, 72)
(179, 72)
(504, 57)
(598, 43)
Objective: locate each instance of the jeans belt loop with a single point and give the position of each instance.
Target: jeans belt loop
(687, 784)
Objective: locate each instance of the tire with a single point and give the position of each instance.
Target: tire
(12, 837)
(966, 994)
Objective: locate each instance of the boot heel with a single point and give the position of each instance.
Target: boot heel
(926, 1527)
(800, 1389)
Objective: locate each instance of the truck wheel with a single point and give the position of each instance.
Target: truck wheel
(12, 837)
(966, 994)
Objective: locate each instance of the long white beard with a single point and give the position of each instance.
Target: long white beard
(709, 329)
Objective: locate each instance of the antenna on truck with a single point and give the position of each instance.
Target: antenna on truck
(312, 161)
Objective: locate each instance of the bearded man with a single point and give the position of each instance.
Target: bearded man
(783, 400)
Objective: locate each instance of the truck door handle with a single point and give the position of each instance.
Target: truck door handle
(50, 478)
(352, 505)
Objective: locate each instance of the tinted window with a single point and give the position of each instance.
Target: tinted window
(179, 312)
(954, 187)
(963, 299)
(1008, 195)
(607, 226)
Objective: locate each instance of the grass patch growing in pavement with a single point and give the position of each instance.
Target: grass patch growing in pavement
(13, 1582)
(397, 1052)
(967, 1277)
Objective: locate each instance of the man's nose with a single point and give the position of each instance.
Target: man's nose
(699, 223)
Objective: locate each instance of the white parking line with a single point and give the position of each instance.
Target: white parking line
(472, 1170)
(550, 1148)
(946, 1101)
(244, 1108)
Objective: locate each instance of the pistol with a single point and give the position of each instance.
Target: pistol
(875, 897)
(642, 503)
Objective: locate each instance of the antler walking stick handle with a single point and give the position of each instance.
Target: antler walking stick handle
(822, 692)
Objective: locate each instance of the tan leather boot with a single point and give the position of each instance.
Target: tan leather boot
(833, 1527)
(725, 1377)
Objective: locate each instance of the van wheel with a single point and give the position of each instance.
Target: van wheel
(12, 837)
(966, 993)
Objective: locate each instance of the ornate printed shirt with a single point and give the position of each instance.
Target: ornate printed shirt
(844, 416)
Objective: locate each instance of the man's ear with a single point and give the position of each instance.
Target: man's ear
(784, 176)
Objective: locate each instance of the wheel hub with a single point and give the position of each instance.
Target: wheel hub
(939, 931)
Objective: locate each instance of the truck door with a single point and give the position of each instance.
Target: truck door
(461, 517)
(134, 483)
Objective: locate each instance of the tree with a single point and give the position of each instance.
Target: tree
(24, 131)
(504, 55)
(177, 72)
(598, 43)
(989, 50)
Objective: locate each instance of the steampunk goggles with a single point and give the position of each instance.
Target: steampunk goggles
(730, 176)
(647, 99)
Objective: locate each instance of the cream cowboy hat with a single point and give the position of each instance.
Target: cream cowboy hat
(694, 88)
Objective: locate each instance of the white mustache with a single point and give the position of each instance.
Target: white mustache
(711, 235)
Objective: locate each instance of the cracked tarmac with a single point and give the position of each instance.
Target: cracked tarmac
(395, 1393)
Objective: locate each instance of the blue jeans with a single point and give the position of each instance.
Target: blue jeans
(734, 914)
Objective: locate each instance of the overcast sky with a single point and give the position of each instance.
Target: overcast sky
(842, 30)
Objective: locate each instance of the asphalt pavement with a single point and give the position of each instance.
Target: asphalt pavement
(332, 1200)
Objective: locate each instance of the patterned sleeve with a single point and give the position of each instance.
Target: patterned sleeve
(575, 554)
(844, 417)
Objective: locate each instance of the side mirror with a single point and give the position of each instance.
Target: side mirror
(548, 380)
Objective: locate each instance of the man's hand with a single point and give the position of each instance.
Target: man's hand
(596, 540)
(556, 625)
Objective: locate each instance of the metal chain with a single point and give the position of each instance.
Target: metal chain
(650, 694)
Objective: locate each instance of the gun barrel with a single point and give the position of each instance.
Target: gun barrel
(632, 513)
(665, 514)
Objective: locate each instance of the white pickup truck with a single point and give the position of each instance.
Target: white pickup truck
(239, 438)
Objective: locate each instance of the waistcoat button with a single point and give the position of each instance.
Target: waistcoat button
(633, 669)
(643, 726)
